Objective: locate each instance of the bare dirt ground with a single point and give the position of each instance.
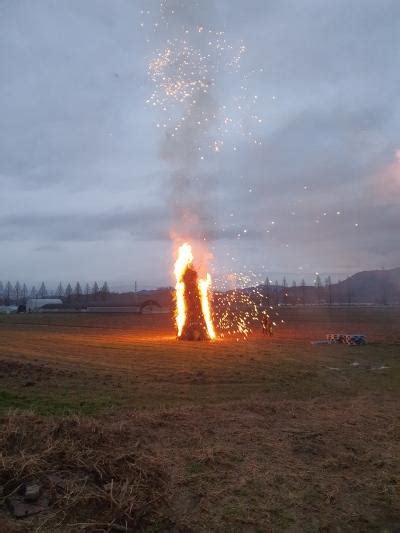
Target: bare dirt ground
(124, 428)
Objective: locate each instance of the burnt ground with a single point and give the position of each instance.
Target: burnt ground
(124, 428)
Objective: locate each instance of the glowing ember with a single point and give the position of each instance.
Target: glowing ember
(193, 312)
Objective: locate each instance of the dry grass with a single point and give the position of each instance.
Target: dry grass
(247, 466)
(95, 475)
(269, 435)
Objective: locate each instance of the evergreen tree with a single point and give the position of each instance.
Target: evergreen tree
(95, 291)
(60, 290)
(105, 291)
(78, 291)
(87, 292)
(42, 293)
(33, 292)
(267, 288)
(68, 292)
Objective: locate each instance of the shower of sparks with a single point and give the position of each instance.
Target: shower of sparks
(195, 64)
(240, 304)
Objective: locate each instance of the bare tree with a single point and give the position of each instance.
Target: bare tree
(318, 285)
(277, 298)
(87, 292)
(17, 291)
(1, 291)
(328, 285)
(294, 291)
(266, 291)
(8, 293)
(303, 291)
(284, 290)
(33, 292)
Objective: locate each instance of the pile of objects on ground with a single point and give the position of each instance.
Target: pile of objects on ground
(343, 338)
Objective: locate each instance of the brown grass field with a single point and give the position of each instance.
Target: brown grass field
(126, 429)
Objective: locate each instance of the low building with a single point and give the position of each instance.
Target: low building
(36, 304)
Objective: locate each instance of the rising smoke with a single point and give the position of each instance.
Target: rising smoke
(189, 70)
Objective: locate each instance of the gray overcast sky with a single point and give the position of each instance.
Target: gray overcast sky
(86, 195)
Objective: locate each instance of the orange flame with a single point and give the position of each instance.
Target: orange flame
(204, 285)
(184, 260)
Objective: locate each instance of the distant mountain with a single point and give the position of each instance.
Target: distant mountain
(375, 286)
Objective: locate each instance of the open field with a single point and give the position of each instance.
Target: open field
(124, 427)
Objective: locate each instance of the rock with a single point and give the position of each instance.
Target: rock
(21, 509)
(32, 492)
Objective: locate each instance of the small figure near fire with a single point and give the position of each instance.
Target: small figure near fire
(193, 311)
(267, 325)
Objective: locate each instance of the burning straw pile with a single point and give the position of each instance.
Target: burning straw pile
(193, 310)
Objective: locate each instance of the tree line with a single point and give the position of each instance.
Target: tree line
(19, 293)
(320, 292)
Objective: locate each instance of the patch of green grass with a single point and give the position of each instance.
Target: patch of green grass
(282, 519)
(197, 468)
(55, 404)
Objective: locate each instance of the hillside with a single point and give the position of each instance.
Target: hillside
(378, 286)
(373, 286)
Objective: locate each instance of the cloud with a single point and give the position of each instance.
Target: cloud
(47, 248)
(144, 224)
(80, 157)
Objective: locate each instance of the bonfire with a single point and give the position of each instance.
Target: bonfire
(193, 310)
